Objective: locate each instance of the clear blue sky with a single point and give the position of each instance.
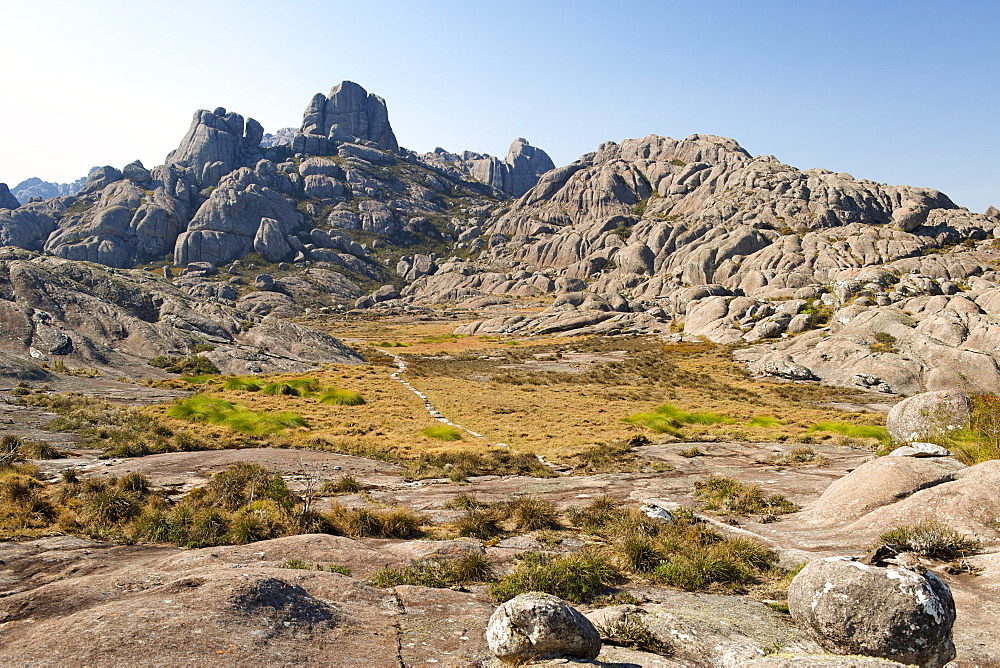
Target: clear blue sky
(900, 92)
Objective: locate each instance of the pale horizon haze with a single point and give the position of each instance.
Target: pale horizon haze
(897, 92)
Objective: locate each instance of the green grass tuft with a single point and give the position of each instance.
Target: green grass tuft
(852, 430)
(764, 421)
(338, 397)
(668, 419)
(442, 432)
(934, 540)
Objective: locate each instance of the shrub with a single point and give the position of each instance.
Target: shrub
(442, 432)
(192, 365)
(691, 453)
(639, 552)
(244, 483)
(727, 495)
(578, 577)
(463, 501)
(934, 540)
(337, 397)
(631, 631)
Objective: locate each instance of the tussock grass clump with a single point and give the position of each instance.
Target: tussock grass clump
(578, 577)
(442, 432)
(338, 397)
(458, 464)
(211, 410)
(486, 520)
(668, 419)
(685, 553)
(241, 385)
(631, 631)
(730, 496)
(799, 457)
(764, 421)
(615, 457)
(374, 522)
(528, 513)
(346, 484)
(439, 573)
(934, 540)
(852, 430)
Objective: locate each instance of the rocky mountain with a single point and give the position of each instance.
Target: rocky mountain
(34, 187)
(514, 175)
(824, 275)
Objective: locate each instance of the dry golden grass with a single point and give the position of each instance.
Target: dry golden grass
(509, 394)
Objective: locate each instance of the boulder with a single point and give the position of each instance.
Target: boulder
(929, 414)
(782, 366)
(877, 483)
(270, 242)
(539, 626)
(888, 612)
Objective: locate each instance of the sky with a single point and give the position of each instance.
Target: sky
(897, 92)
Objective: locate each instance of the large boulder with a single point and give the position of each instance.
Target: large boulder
(889, 612)
(540, 626)
(929, 414)
(217, 143)
(877, 483)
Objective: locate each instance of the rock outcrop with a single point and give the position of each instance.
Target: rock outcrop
(217, 142)
(7, 200)
(348, 114)
(889, 612)
(514, 175)
(53, 308)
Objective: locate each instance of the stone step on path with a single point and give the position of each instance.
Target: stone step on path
(434, 413)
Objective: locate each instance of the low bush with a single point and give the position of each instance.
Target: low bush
(730, 496)
(191, 365)
(459, 464)
(616, 457)
(934, 540)
(530, 514)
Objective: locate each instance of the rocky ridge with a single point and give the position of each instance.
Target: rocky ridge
(825, 276)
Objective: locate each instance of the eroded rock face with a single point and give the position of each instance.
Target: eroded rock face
(929, 414)
(894, 613)
(217, 143)
(539, 626)
(349, 113)
(7, 200)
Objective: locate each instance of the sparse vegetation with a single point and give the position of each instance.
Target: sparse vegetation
(192, 365)
(338, 397)
(934, 540)
(578, 577)
(467, 569)
(730, 496)
(883, 343)
(799, 457)
(852, 430)
(201, 408)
